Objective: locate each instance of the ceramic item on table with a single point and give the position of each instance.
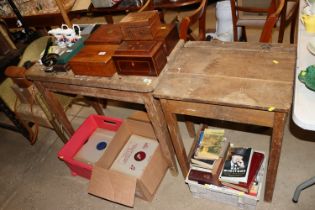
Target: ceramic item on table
(310, 2)
(311, 45)
(309, 22)
(308, 77)
(307, 11)
(310, 9)
(71, 34)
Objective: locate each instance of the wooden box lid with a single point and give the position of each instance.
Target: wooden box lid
(164, 30)
(138, 19)
(106, 34)
(95, 53)
(134, 48)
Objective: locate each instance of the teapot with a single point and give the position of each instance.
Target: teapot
(71, 34)
(66, 36)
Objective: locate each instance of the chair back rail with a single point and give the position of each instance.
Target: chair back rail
(278, 9)
(199, 15)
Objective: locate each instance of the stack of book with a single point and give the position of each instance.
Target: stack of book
(241, 168)
(208, 157)
(216, 163)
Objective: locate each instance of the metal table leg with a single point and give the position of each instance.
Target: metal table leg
(301, 187)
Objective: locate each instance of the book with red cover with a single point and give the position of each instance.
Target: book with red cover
(204, 177)
(256, 163)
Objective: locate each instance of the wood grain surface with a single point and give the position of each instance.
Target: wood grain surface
(250, 75)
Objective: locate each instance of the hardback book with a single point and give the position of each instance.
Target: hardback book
(203, 177)
(135, 155)
(203, 163)
(255, 165)
(236, 165)
(210, 144)
(218, 165)
(198, 168)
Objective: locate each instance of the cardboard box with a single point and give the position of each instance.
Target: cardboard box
(120, 187)
(80, 137)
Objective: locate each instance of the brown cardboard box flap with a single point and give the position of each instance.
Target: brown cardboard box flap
(153, 175)
(112, 185)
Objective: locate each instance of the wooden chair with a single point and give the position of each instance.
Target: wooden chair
(147, 6)
(271, 20)
(25, 100)
(199, 15)
(242, 16)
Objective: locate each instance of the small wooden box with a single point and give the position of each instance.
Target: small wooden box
(168, 34)
(94, 60)
(140, 58)
(140, 25)
(106, 34)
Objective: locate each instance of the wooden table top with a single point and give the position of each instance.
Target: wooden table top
(141, 84)
(249, 75)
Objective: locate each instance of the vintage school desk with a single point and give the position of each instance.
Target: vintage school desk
(134, 89)
(240, 82)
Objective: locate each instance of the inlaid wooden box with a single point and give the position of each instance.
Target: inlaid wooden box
(140, 58)
(94, 60)
(106, 34)
(168, 34)
(140, 25)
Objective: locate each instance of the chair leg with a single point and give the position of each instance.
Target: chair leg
(281, 32)
(283, 24)
(109, 19)
(243, 36)
(19, 125)
(293, 24)
(235, 35)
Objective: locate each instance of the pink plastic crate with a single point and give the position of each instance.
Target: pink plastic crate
(79, 138)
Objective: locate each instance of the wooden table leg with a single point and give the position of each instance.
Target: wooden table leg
(190, 128)
(274, 154)
(96, 103)
(156, 117)
(176, 138)
(109, 19)
(56, 109)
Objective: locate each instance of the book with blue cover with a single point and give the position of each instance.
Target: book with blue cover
(210, 144)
